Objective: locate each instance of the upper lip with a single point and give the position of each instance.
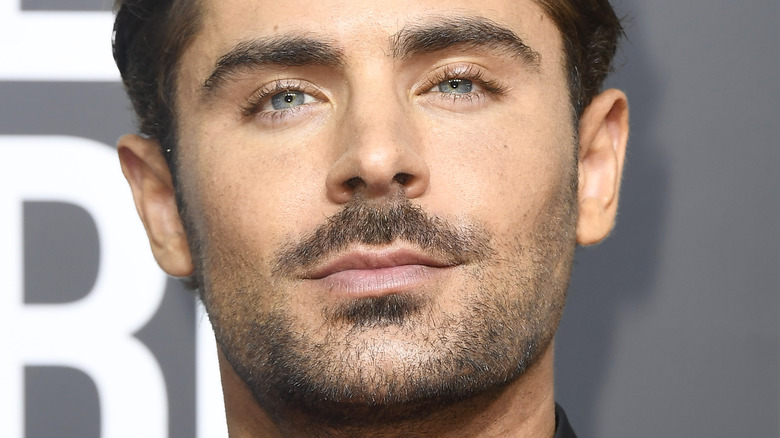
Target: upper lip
(366, 259)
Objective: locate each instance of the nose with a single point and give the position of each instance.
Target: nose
(381, 155)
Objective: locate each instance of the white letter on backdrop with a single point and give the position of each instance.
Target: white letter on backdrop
(93, 334)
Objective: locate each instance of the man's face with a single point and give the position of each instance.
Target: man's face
(380, 196)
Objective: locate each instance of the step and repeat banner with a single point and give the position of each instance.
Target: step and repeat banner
(672, 327)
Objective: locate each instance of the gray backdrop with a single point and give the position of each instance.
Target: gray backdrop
(673, 325)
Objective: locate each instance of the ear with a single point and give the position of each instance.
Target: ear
(603, 138)
(150, 180)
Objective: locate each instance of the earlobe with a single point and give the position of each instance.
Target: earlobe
(603, 139)
(150, 180)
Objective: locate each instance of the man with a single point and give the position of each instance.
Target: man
(378, 202)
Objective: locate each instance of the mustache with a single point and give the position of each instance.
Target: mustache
(372, 223)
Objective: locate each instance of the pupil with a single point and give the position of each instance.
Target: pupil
(289, 98)
(454, 84)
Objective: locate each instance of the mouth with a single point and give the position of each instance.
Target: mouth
(371, 272)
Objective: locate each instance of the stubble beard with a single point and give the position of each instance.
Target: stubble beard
(396, 357)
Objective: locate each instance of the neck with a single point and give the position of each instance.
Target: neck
(523, 409)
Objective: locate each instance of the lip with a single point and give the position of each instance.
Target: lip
(370, 272)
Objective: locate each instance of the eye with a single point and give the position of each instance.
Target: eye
(288, 99)
(282, 98)
(462, 82)
(456, 86)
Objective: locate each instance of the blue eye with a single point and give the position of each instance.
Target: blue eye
(456, 86)
(288, 99)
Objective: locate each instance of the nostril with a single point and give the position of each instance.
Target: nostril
(354, 183)
(402, 178)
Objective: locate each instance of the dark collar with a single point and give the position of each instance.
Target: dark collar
(562, 427)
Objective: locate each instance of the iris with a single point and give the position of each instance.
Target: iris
(456, 86)
(288, 99)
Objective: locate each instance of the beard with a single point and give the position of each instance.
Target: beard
(399, 356)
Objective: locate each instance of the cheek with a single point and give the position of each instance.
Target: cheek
(504, 171)
(248, 198)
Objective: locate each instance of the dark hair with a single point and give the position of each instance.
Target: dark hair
(591, 31)
(149, 39)
(150, 36)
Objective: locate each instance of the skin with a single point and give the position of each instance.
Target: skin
(254, 183)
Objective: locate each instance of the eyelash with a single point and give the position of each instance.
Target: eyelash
(469, 72)
(253, 103)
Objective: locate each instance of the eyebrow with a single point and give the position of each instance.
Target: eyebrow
(289, 51)
(438, 34)
(467, 32)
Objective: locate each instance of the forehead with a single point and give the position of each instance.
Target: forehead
(331, 14)
(357, 26)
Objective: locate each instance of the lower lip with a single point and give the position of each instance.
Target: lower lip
(356, 283)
